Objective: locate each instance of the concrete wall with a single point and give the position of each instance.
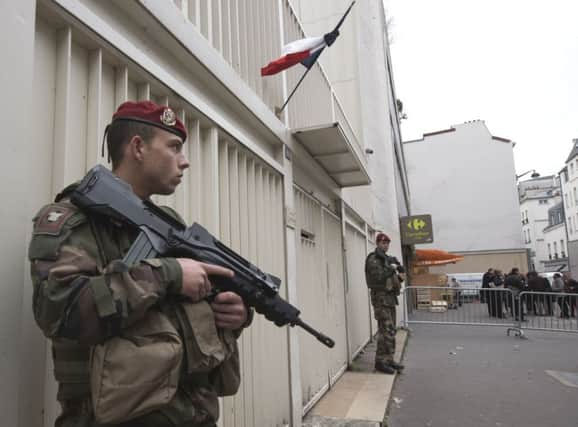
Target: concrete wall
(465, 179)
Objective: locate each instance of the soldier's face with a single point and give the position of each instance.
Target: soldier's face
(163, 162)
(383, 245)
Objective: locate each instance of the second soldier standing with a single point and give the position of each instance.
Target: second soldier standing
(384, 274)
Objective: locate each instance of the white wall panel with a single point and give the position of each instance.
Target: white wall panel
(43, 107)
(42, 136)
(335, 293)
(358, 306)
(94, 129)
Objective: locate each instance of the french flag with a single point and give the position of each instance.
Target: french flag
(304, 51)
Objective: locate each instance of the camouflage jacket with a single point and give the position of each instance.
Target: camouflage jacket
(381, 276)
(84, 294)
(379, 267)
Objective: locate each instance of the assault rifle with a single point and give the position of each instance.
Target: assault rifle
(101, 192)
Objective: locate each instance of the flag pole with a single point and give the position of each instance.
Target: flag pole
(280, 110)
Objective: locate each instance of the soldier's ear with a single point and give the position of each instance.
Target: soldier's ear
(136, 148)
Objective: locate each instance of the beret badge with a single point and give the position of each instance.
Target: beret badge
(168, 117)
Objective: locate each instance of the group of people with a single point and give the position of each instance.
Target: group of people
(502, 294)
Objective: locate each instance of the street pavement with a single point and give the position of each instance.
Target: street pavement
(477, 376)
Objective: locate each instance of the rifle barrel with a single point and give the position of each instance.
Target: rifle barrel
(322, 338)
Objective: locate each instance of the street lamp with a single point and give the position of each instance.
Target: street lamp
(534, 174)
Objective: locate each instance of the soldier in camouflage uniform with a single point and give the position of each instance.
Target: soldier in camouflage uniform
(87, 301)
(383, 274)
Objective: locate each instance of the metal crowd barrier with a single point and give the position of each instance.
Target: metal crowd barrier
(517, 311)
(548, 311)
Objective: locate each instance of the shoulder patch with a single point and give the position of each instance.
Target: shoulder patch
(52, 218)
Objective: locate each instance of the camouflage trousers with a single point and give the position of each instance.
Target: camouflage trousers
(386, 325)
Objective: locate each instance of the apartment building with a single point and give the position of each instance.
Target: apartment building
(569, 186)
(464, 177)
(537, 197)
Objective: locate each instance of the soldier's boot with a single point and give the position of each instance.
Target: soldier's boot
(397, 366)
(384, 367)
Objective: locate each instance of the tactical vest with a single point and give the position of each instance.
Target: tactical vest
(381, 278)
(107, 242)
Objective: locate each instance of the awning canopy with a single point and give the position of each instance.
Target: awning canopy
(424, 257)
(336, 154)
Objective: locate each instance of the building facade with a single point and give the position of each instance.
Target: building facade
(569, 186)
(555, 240)
(296, 193)
(465, 178)
(537, 196)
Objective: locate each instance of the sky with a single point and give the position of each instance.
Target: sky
(511, 63)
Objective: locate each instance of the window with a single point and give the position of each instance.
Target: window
(575, 198)
(529, 238)
(543, 202)
(562, 250)
(549, 251)
(571, 169)
(556, 250)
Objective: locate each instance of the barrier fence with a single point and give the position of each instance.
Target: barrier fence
(510, 308)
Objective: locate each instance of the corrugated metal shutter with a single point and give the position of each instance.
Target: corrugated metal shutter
(320, 294)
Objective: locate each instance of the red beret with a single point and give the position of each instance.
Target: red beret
(382, 236)
(151, 114)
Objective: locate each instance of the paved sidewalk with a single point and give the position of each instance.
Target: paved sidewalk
(361, 396)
